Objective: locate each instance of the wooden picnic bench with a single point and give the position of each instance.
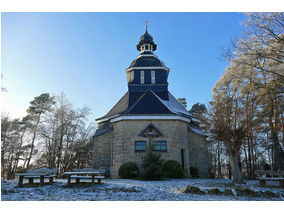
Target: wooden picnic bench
(263, 180)
(86, 173)
(41, 173)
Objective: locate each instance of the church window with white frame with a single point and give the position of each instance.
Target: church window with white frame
(142, 80)
(153, 78)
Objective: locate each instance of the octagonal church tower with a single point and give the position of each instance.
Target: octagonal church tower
(149, 109)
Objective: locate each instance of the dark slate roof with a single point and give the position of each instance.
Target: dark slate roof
(134, 96)
(196, 130)
(148, 103)
(102, 129)
(175, 106)
(146, 38)
(119, 107)
(147, 61)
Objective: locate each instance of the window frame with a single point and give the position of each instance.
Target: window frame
(136, 142)
(153, 77)
(161, 150)
(142, 77)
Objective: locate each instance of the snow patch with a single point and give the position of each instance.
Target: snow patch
(121, 189)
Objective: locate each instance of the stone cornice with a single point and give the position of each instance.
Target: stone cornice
(144, 117)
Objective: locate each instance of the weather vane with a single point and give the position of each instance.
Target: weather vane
(146, 23)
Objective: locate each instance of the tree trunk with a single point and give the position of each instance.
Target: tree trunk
(19, 149)
(33, 141)
(230, 171)
(249, 156)
(253, 156)
(60, 147)
(219, 160)
(246, 160)
(234, 162)
(2, 164)
(282, 126)
(10, 162)
(277, 150)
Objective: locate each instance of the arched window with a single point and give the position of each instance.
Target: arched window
(146, 47)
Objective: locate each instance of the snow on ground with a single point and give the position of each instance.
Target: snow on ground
(121, 189)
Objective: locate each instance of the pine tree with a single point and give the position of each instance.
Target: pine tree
(152, 164)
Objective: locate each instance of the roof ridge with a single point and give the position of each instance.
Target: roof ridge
(173, 97)
(154, 96)
(162, 102)
(136, 102)
(105, 116)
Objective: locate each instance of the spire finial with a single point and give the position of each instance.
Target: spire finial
(146, 23)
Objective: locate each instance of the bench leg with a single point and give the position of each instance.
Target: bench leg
(69, 179)
(41, 180)
(77, 180)
(262, 183)
(93, 179)
(51, 180)
(281, 183)
(31, 180)
(21, 178)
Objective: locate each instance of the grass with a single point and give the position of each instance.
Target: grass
(7, 191)
(35, 184)
(80, 185)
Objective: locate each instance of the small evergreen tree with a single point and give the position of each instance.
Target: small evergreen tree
(152, 164)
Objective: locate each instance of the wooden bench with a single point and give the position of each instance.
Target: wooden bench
(41, 173)
(87, 173)
(263, 180)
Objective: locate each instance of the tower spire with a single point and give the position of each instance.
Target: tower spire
(146, 24)
(146, 42)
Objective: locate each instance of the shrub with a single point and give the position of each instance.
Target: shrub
(215, 191)
(152, 165)
(246, 192)
(194, 172)
(128, 170)
(194, 190)
(228, 192)
(173, 169)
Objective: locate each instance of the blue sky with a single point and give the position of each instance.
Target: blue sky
(85, 55)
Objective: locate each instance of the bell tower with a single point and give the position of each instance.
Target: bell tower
(147, 71)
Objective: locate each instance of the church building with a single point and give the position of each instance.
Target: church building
(148, 110)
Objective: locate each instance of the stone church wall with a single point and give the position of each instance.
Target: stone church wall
(102, 150)
(127, 132)
(175, 132)
(198, 153)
